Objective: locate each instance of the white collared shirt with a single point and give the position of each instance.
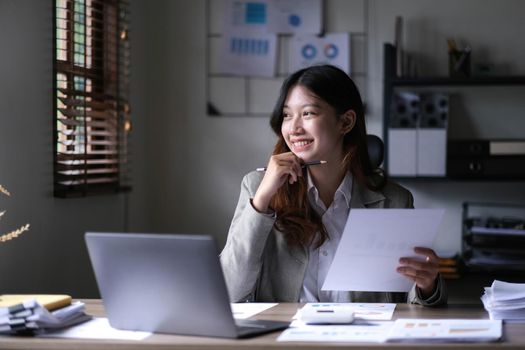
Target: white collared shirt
(319, 261)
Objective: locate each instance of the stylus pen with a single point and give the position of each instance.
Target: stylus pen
(313, 162)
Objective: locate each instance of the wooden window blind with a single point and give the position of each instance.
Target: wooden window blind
(91, 108)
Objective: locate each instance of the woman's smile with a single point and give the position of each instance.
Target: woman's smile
(301, 145)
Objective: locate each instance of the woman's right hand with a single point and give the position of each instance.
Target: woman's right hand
(281, 168)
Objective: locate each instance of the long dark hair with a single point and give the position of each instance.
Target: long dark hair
(295, 217)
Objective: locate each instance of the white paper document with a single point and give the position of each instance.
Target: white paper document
(504, 291)
(456, 330)
(97, 328)
(373, 241)
(374, 332)
(246, 310)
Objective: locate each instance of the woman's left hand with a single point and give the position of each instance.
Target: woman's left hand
(423, 272)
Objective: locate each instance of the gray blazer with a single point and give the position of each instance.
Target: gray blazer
(259, 266)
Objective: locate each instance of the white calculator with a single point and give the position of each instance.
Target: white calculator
(327, 315)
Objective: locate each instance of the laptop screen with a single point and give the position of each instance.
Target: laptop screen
(162, 283)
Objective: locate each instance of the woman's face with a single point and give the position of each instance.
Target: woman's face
(311, 128)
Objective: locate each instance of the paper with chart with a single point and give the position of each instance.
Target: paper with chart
(373, 331)
(246, 48)
(247, 54)
(295, 16)
(245, 16)
(373, 241)
(445, 330)
(401, 330)
(332, 48)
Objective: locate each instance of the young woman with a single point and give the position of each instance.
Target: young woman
(290, 218)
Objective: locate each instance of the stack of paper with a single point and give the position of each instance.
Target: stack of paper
(31, 317)
(505, 301)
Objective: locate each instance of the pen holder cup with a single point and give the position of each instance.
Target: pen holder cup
(459, 64)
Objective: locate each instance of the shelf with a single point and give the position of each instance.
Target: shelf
(418, 178)
(446, 81)
(457, 179)
(408, 113)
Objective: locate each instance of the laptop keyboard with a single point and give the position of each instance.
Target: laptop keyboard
(249, 324)
(253, 327)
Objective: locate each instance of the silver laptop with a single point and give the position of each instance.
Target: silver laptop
(166, 283)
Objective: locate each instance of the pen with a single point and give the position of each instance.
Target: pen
(313, 162)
